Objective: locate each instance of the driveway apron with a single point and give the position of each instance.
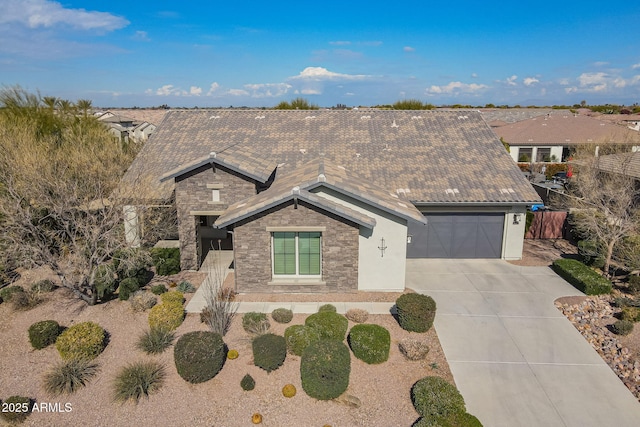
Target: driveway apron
(514, 356)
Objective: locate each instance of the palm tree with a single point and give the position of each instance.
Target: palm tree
(84, 105)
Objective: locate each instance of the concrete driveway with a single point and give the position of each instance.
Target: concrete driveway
(516, 359)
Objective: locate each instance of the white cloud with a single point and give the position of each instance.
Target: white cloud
(213, 88)
(195, 90)
(170, 90)
(571, 89)
(142, 36)
(528, 81)
(635, 66)
(408, 49)
(340, 43)
(592, 79)
(456, 87)
(349, 94)
(320, 73)
(267, 90)
(238, 92)
(600, 63)
(46, 13)
(564, 81)
(474, 75)
(511, 81)
(310, 92)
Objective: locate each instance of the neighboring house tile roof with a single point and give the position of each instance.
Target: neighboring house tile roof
(568, 129)
(426, 157)
(502, 116)
(624, 163)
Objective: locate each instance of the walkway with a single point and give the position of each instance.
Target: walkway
(516, 359)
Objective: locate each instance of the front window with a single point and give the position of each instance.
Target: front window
(296, 253)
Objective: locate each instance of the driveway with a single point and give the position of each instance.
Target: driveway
(515, 358)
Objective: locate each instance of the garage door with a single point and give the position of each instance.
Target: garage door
(457, 235)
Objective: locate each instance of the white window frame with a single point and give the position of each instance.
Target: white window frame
(297, 275)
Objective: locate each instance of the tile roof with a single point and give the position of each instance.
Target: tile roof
(625, 163)
(566, 129)
(425, 157)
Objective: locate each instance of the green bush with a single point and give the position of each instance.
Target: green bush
(166, 316)
(325, 366)
(186, 287)
(590, 253)
(298, 337)
(415, 312)
(25, 300)
(158, 289)
(68, 376)
(282, 315)
(253, 321)
(433, 397)
(43, 286)
(581, 277)
(44, 333)
(166, 260)
(632, 314)
(84, 340)
(132, 263)
(142, 300)
(8, 292)
(172, 297)
(370, 343)
(199, 356)
(137, 380)
(327, 308)
(458, 419)
(247, 383)
(622, 327)
(330, 325)
(127, 288)
(269, 351)
(155, 341)
(17, 410)
(634, 284)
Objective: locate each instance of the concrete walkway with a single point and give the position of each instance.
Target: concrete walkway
(515, 358)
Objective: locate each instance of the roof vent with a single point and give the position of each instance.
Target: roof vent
(394, 124)
(310, 117)
(241, 205)
(281, 164)
(214, 117)
(295, 190)
(342, 167)
(416, 117)
(544, 124)
(212, 155)
(463, 117)
(386, 147)
(567, 140)
(452, 191)
(259, 117)
(358, 155)
(303, 150)
(322, 178)
(365, 117)
(394, 195)
(530, 140)
(403, 191)
(507, 191)
(402, 204)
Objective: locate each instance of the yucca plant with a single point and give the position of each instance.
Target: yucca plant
(68, 376)
(138, 380)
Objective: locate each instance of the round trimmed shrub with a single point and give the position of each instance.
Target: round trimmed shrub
(370, 343)
(357, 315)
(199, 356)
(172, 297)
(282, 315)
(433, 397)
(44, 333)
(455, 420)
(416, 312)
(325, 366)
(622, 327)
(232, 354)
(332, 326)
(18, 408)
(269, 351)
(247, 383)
(289, 390)
(327, 308)
(158, 289)
(127, 288)
(7, 293)
(166, 316)
(252, 321)
(298, 337)
(85, 340)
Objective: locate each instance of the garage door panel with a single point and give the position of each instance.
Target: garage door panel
(439, 239)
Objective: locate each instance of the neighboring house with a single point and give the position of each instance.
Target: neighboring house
(126, 128)
(327, 201)
(623, 163)
(142, 132)
(550, 137)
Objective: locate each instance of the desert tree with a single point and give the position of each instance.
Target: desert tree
(296, 104)
(604, 200)
(411, 104)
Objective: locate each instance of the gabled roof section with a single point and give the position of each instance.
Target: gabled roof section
(424, 157)
(276, 197)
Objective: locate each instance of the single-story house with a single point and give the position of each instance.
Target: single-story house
(328, 201)
(549, 138)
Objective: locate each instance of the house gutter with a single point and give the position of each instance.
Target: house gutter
(474, 204)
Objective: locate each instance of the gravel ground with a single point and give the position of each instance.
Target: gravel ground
(382, 389)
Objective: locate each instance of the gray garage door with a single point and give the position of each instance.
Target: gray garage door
(457, 235)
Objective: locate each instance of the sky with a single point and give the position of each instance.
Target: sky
(258, 53)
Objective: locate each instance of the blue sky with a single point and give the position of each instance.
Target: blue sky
(258, 53)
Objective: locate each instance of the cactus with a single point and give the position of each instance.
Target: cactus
(289, 390)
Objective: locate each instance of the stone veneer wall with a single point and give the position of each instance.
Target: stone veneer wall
(252, 243)
(192, 194)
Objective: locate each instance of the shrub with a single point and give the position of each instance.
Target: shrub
(282, 315)
(289, 390)
(327, 308)
(199, 356)
(413, 349)
(581, 276)
(357, 315)
(172, 297)
(433, 397)
(17, 410)
(43, 286)
(25, 300)
(325, 366)
(232, 354)
(132, 263)
(166, 260)
(127, 288)
(68, 376)
(142, 301)
(590, 253)
(105, 281)
(186, 287)
(166, 316)
(634, 284)
(155, 341)
(253, 322)
(458, 419)
(85, 340)
(158, 289)
(631, 314)
(415, 312)
(330, 325)
(9, 292)
(138, 380)
(298, 337)
(269, 351)
(622, 327)
(370, 343)
(247, 383)
(44, 333)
